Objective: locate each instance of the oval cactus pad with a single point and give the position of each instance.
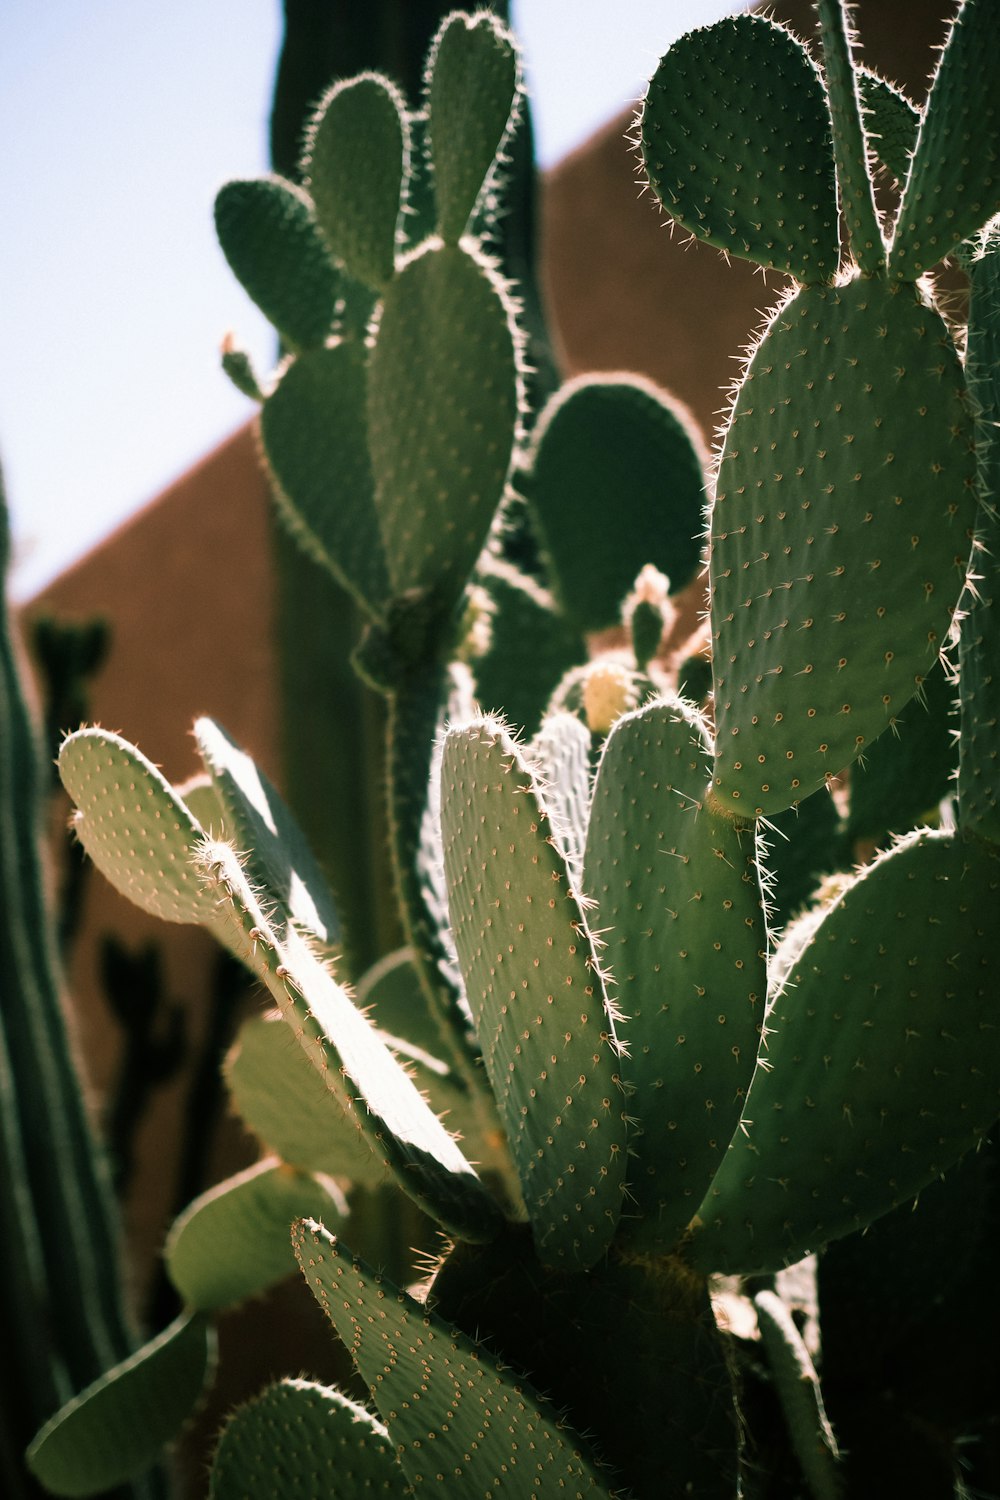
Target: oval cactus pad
(881, 1061)
(736, 140)
(680, 905)
(534, 983)
(839, 536)
(134, 826)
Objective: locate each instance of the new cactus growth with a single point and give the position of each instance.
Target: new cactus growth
(670, 1051)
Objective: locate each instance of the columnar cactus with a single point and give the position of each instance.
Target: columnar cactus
(660, 1077)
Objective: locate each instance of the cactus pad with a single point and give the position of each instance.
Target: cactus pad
(356, 162)
(677, 892)
(534, 983)
(232, 1242)
(443, 401)
(881, 1060)
(272, 242)
(314, 431)
(134, 826)
(954, 183)
(458, 1420)
(294, 1437)
(471, 86)
(737, 143)
(617, 479)
(282, 1098)
(115, 1428)
(838, 543)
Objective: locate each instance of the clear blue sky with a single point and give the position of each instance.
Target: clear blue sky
(119, 119)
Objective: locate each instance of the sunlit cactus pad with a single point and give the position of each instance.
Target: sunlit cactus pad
(840, 534)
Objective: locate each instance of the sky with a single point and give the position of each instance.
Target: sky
(119, 120)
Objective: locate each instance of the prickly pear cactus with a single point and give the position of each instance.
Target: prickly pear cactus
(658, 1075)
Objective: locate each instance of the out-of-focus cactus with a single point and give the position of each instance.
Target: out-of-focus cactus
(659, 1075)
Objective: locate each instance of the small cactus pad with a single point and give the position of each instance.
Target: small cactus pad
(282, 1098)
(979, 741)
(443, 402)
(881, 1059)
(839, 542)
(537, 994)
(356, 162)
(233, 1241)
(134, 826)
(258, 822)
(459, 1422)
(307, 1440)
(354, 1062)
(678, 897)
(270, 238)
(616, 478)
(954, 182)
(850, 148)
(115, 1429)
(314, 432)
(891, 123)
(471, 86)
(737, 143)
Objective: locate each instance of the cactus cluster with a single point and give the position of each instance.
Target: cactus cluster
(609, 1065)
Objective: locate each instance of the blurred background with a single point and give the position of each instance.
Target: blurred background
(118, 123)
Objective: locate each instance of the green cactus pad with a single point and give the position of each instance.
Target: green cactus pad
(471, 86)
(559, 756)
(534, 983)
(443, 401)
(763, 189)
(891, 123)
(278, 857)
(282, 1098)
(458, 1420)
(233, 1242)
(359, 1070)
(954, 182)
(238, 366)
(356, 162)
(115, 1428)
(298, 1438)
(839, 541)
(270, 238)
(850, 148)
(979, 740)
(314, 431)
(134, 826)
(678, 897)
(616, 478)
(881, 1060)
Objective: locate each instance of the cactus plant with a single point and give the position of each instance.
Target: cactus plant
(660, 1078)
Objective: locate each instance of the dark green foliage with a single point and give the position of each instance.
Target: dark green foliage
(616, 479)
(589, 1336)
(910, 768)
